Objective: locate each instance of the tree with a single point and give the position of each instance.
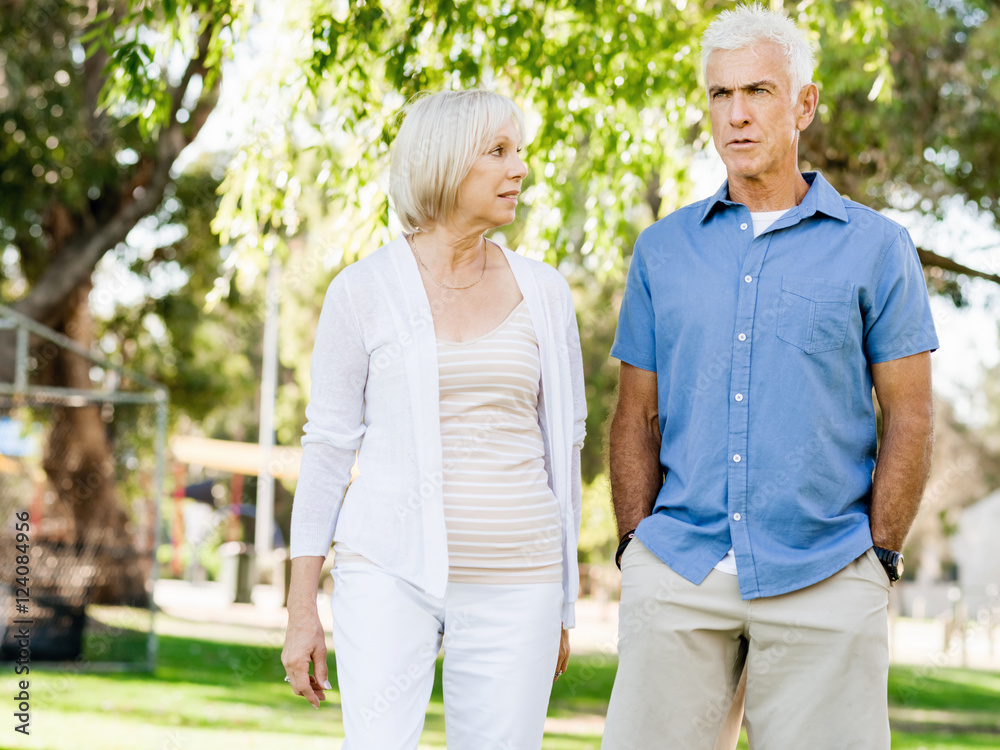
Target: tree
(76, 179)
(929, 138)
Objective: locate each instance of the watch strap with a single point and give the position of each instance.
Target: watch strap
(627, 537)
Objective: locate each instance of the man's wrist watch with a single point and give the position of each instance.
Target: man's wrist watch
(627, 537)
(892, 561)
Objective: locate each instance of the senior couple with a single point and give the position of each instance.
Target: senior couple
(759, 535)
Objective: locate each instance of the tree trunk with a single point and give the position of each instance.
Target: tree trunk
(79, 462)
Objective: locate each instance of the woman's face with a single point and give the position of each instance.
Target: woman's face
(487, 198)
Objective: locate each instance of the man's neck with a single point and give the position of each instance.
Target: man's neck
(769, 195)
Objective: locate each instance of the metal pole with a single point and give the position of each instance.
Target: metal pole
(158, 479)
(264, 529)
(21, 361)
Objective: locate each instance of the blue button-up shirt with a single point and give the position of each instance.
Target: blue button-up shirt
(762, 350)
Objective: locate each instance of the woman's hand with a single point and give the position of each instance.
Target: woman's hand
(305, 645)
(305, 641)
(563, 660)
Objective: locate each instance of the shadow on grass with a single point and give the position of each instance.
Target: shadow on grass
(946, 689)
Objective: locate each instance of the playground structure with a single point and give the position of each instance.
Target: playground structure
(245, 562)
(91, 592)
(92, 529)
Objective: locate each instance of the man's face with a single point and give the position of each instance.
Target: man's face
(755, 116)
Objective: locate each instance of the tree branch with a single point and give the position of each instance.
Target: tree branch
(195, 67)
(78, 258)
(933, 260)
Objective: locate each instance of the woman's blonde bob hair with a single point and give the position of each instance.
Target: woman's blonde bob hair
(439, 141)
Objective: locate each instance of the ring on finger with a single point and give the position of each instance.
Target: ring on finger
(287, 678)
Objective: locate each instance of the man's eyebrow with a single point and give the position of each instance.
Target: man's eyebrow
(717, 89)
(764, 84)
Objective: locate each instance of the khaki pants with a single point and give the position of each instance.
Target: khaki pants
(816, 661)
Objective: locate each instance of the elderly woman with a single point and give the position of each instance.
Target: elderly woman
(451, 367)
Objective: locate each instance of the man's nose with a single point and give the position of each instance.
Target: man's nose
(739, 113)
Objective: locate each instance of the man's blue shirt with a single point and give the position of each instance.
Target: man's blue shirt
(762, 351)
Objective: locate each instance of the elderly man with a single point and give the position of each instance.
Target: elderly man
(754, 537)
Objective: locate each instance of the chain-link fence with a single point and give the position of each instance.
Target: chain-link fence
(81, 474)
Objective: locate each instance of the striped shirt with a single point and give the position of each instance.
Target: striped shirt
(501, 516)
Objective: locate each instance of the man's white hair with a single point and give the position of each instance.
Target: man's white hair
(749, 25)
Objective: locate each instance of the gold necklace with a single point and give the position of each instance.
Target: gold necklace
(413, 247)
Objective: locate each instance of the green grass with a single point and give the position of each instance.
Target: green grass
(945, 689)
(212, 695)
(117, 635)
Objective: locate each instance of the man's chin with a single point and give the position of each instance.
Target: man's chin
(742, 171)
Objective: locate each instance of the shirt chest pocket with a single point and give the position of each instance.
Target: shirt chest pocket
(813, 314)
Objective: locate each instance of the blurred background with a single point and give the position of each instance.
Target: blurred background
(179, 182)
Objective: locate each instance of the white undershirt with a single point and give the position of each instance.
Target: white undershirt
(762, 220)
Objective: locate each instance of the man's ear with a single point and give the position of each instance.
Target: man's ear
(806, 106)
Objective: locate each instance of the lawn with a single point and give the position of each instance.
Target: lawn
(216, 694)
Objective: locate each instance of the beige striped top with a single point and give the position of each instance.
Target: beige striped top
(501, 516)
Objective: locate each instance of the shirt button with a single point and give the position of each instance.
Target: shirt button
(743, 226)
(739, 396)
(748, 278)
(737, 458)
(742, 337)
(737, 516)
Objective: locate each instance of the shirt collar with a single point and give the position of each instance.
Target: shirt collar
(821, 198)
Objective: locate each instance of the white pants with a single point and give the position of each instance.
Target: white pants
(501, 643)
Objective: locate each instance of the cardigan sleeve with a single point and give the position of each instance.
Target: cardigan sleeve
(335, 422)
(579, 427)
(576, 372)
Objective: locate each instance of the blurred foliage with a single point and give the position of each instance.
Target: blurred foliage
(930, 143)
(598, 538)
(72, 158)
(166, 331)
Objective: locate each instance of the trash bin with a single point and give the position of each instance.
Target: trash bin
(56, 631)
(61, 581)
(282, 573)
(237, 571)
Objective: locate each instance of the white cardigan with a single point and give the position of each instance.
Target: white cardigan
(375, 392)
